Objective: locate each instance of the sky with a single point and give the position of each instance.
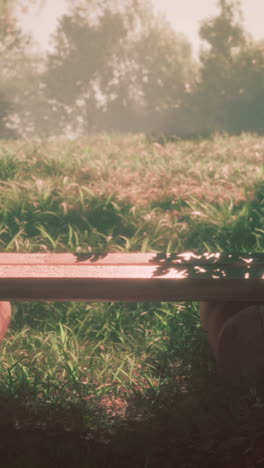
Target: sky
(184, 16)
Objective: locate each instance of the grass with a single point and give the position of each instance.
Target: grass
(126, 384)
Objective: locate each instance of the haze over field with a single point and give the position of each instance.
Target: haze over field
(185, 17)
(121, 65)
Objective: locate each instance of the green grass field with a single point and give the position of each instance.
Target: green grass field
(102, 385)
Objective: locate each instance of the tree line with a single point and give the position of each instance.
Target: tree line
(118, 66)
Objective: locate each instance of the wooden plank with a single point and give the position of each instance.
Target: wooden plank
(132, 277)
(130, 290)
(113, 271)
(140, 258)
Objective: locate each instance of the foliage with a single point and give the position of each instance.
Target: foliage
(224, 33)
(116, 67)
(245, 110)
(14, 47)
(5, 24)
(229, 96)
(225, 37)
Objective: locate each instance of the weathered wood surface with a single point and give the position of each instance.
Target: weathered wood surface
(132, 277)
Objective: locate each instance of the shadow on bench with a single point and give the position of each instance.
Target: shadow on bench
(227, 285)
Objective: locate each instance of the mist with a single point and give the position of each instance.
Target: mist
(121, 67)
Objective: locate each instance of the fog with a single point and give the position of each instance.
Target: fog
(123, 67)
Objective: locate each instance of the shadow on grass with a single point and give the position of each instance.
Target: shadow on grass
(205, 423)
(43, 437)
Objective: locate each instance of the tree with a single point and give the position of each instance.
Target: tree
(117, 63)
(230, 94)
(223, 33)
(8, 39)
(245, 110)
(16, 53)
(225, 38)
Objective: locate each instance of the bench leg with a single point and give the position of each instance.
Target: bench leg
(235, 334)
(5, 317)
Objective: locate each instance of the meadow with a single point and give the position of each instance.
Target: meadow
(119, 384)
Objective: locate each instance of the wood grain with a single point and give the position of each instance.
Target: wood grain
(132, 277)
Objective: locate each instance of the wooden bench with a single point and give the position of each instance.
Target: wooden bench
(209, 278)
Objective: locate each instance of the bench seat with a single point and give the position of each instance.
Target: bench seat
(132, 277)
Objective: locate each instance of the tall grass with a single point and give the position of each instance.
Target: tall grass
(106, 363)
